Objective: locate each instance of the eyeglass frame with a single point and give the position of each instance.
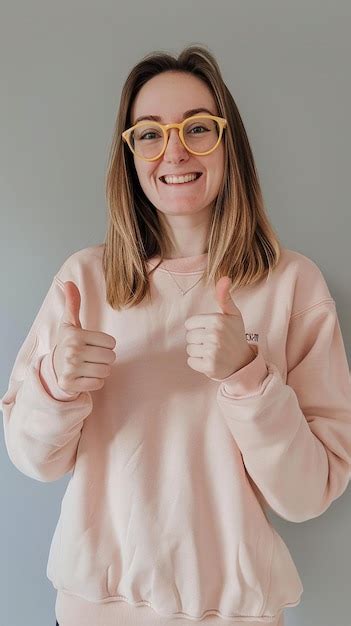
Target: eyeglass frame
(222, 122)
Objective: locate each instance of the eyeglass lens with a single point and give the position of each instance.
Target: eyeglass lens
(200, 135)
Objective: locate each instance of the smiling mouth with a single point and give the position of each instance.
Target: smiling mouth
(198, 174)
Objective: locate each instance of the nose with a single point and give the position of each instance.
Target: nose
(174, 148)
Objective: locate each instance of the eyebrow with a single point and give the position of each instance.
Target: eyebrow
(188, 113)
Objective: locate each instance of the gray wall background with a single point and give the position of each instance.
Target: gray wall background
(62, 66)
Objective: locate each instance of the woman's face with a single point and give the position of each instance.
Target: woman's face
(169, 95)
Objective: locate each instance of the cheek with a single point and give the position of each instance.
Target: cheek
(220, 169)
(221, 158)
(217, 167)
(144, 172)
(217, 161)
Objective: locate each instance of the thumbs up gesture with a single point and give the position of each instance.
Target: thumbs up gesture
(82, 358)
(216, 342)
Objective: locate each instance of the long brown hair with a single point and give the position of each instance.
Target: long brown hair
(242, 243)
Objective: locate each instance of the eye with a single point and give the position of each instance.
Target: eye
(147, 135)
(196, 127)
(147, 132)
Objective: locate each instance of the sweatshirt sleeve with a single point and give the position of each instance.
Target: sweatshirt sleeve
(42, 423)
(295, 438)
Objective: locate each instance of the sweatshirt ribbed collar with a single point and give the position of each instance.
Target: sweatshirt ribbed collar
(181, 265)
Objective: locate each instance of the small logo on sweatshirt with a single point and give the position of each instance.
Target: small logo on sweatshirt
(252, 337)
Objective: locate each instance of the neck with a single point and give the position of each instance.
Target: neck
(185, 254)
(184, 239)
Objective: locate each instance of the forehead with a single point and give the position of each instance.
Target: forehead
(170, 94)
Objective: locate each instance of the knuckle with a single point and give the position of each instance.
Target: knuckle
(72, 358)
(71, 349)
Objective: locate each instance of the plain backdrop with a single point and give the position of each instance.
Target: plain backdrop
(62, 66)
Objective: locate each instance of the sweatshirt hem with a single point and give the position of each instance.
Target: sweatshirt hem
(143, 612)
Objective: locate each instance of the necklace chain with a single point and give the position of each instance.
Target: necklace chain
(183, 291)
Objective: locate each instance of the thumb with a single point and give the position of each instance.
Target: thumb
(72, 304)
(224, 298)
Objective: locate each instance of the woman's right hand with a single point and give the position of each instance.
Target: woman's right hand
(82, 359)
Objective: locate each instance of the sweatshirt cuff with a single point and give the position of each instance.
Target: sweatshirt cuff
(49, 381)
(248, 381)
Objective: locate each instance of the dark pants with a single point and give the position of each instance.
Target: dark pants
(57, 624)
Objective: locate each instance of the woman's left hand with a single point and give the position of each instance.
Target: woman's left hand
(216, 342)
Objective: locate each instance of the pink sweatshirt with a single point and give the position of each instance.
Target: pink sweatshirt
(164, 517)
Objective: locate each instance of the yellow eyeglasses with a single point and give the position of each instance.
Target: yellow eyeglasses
(199, 134)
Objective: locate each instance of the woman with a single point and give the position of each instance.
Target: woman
(190, 372)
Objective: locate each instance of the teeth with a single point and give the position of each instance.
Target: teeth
(180, 179)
